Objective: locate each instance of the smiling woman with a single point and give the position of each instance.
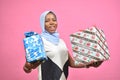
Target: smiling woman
(19, 16)
(59, 59)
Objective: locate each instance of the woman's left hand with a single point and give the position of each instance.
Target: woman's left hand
(95, 64)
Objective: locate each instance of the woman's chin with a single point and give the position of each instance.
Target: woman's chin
(51, 32)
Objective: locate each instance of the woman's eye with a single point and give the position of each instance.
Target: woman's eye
(46, 21)
(50, 20)
(54, 19)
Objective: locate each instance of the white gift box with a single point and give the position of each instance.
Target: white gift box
(89, 45)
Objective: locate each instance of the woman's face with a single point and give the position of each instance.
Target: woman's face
(50, 23)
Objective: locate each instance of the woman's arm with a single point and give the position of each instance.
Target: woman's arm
(29, 66)
(36, 64)
(73, 65)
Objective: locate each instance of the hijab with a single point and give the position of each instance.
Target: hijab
(54, 37)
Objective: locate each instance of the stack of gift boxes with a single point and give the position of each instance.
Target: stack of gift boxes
(89, 45)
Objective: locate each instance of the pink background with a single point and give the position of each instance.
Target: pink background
(18, 16)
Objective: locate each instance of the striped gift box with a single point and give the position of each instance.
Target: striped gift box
(89, 45)
(34, 47)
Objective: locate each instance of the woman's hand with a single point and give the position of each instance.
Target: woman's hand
(36, 64)
(91, 64)
(95, 64)
(27, 67)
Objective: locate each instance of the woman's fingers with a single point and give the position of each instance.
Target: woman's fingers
(27, 70)
(36, 64)
(94, 64)
(97, 64)
(27, 67)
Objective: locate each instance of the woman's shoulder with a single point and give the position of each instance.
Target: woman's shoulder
(62, 41)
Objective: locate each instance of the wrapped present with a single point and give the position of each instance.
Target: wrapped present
(34, 47)
(89, 45)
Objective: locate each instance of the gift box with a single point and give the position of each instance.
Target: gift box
(89, 45)
(34, 47)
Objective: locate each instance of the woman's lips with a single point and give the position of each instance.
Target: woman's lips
(52, 27)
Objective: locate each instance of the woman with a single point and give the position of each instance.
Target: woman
(59, 59)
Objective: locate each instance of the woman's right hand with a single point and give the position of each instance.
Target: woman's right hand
(27, 67)
(36, 64)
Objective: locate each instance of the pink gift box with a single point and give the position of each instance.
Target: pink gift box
(89, 45)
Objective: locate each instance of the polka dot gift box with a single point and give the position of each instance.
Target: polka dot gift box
(34, 47)
(89, 45)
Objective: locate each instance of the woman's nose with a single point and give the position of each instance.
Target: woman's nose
(51, 22)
